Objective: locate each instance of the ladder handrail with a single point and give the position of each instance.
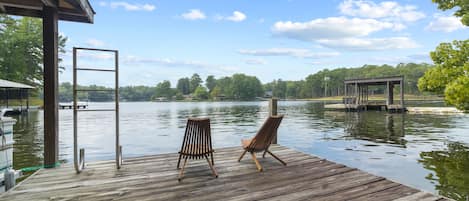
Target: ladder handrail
(79, 160)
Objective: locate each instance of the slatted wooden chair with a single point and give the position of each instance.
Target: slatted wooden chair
(197, 144)
(261, 142)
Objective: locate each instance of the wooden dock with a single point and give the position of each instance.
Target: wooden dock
(305, 177)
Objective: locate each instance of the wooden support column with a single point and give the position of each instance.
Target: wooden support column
(402, 93)
(27, 99)
(273, 112)
(391, 94)
(51, 114)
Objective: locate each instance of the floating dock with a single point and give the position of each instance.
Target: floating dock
(306, 177)
(83, 105)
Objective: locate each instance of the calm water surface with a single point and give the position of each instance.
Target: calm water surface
(429, 152)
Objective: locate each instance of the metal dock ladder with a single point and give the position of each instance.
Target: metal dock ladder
(79, 161)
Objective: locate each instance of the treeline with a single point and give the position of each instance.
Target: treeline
(331, 82)
(245, 87)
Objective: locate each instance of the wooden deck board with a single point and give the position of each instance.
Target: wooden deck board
(154, 177)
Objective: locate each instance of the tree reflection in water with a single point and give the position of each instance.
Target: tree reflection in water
(451, 170)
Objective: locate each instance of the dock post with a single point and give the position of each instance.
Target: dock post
(273, 112)
(51, 112)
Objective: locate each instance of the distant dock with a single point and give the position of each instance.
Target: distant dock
(82, 105)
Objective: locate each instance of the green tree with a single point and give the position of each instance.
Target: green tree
(195, 82)
(201, 93)
(450, 74)
(21, 53)
(216, 91)
(463, 8)
(210, 82)
(163, 89)
(183, 86)
(246, 87)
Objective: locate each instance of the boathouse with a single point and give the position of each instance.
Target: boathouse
(14, 91)
(357, 93)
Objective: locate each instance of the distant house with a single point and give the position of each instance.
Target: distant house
(161, 99)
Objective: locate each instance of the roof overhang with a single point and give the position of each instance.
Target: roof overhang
(376, 81)
(13, 85)
(68, 10)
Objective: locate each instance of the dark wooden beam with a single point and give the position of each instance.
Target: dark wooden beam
(51, 115)
(49, 3)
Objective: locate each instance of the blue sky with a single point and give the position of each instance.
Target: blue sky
(287, 39)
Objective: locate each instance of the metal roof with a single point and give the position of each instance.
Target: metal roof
(376, 81)
(69, 10)
(10, 84)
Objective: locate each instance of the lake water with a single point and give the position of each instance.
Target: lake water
(429, 152)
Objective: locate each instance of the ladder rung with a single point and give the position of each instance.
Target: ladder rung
(97, 110)
(95, 90)
(96, 69)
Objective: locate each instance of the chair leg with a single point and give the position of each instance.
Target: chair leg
(263, 155)
(276, 157)
(211, 167)
(181, 173)
(242, 155)
(211, 155)
(258, 165)
(179, 161)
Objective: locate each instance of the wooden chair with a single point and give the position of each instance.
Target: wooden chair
(197, 144)
(261, 142)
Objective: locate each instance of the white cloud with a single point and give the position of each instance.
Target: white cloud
(237, 16)
(95, 43)
(386, 9)
(255, 61)
(445, 23)
(193, 14)
(415, 58)
(332, 27)
(129, 6)
(369, 44)
(294, 52)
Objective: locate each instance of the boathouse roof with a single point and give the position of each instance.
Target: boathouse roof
(376, 81)
(16, 85)
(68, 10)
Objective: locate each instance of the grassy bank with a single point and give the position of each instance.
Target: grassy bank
(33, 101)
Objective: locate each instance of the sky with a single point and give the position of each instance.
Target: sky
(283, 39)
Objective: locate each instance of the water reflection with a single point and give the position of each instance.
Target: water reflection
(376, 127)
(28, 145)
(450, 170)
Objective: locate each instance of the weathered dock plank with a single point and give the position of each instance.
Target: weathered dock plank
(305, 177)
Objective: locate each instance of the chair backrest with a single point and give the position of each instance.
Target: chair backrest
(197, 140)
(266, 134)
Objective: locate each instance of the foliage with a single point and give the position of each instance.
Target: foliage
(457, 93)
(163, 89)
(462, 12)
(183, 85)
(201, 93)
(21, 54)
(136, 93)
(244, 87)
(449, 168)
(195, 82)
(210, 82)
(450, 74)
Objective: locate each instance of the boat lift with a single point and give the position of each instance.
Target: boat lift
(79, 160)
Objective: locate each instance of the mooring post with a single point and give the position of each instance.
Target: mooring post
(273, 112)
